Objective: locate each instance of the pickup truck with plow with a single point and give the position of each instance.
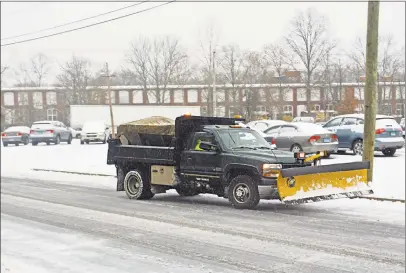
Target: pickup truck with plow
(196, 155)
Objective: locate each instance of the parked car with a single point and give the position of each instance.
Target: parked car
(94, 131)
(16, 135)
(50, 131)
(402, 124)
(301, 136)
(350, 132)
(262, 125)
(304, 119)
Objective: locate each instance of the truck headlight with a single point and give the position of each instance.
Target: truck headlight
(271, 170)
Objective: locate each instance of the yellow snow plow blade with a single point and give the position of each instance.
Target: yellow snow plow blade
(317, 183)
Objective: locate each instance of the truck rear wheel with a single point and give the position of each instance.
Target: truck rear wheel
(243, 192)
(136, 185)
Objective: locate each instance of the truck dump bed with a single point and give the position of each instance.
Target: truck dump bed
(149, 140)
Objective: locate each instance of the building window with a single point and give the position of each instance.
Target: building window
(220, 111)
(37, 100)
(138, 96)
(386, 93)
(288, 109)
(52, 114)
(316, 107)
(203, 111)
(301, 94)
(387, 109)
(220, 95)
(359, 93)
(192, 96)
(288, 95)
(178, 96)
(330, 107)
(9, 98)
(22, 98)
(124, 97)
(51, 98)
(315, 95)
(274, 94)
(260, 108)
(262, 95)
(234, 95)
(113, 97)
(152, 99)
(400, 92)
(399, 109)
(165, 96)
(9, 116)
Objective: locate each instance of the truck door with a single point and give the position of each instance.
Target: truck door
(200, 165)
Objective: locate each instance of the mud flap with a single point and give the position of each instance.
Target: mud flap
(317, 183)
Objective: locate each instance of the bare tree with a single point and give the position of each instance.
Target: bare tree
(389, 65)
(39, 67)
(23, 76)
(255, 70)
(309, 40)
(3, 73)
(208, 44)
(279, 61)
(159, 62)
(231, 69)
(75, 78)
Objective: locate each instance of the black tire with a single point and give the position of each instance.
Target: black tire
(389, 152)
(48, 143)
(246, 186)
(5, 144)
(57, 140)
(105, 140)
(296, 146)
(137, 186)
(187, 191)
(69, 139)
(341, 152)
(26, 141)
(87, 141)
(34, 143)
(17, 144)
(357, 147)
(82, 142)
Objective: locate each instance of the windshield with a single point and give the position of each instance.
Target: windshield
(243, 139)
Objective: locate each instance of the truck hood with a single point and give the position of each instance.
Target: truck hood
(265, 155)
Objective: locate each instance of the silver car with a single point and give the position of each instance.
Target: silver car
(16, 135)
(299, 136)
(262, 125)
(50, 131)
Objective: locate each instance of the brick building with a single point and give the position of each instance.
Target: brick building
(24, 105)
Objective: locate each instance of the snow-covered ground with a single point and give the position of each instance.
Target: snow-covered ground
(389, 172)
(389, 175)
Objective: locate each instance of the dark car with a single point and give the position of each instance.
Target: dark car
(16, 135)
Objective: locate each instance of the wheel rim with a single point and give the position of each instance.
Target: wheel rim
(134, 185)
(295, 149)
(358, 148)
(241, 193)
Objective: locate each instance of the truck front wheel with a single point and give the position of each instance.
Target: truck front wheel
(243, 192)
(136, 185)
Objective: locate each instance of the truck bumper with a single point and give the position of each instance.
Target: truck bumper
(268, 189)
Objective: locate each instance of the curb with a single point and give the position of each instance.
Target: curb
(71, 172)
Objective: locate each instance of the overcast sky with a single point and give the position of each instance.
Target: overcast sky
(251, 25)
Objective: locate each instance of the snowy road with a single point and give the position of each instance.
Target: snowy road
(57, 227)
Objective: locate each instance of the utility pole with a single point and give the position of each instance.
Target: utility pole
(214, 85)
(371, 85)
(108, 76)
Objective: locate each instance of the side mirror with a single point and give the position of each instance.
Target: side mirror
(207, 146)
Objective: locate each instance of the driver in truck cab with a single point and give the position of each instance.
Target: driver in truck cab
(199, 140)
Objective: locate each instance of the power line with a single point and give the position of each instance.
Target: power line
(73, 22)
(91, 25)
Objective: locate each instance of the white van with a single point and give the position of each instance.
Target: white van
(94, 131)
